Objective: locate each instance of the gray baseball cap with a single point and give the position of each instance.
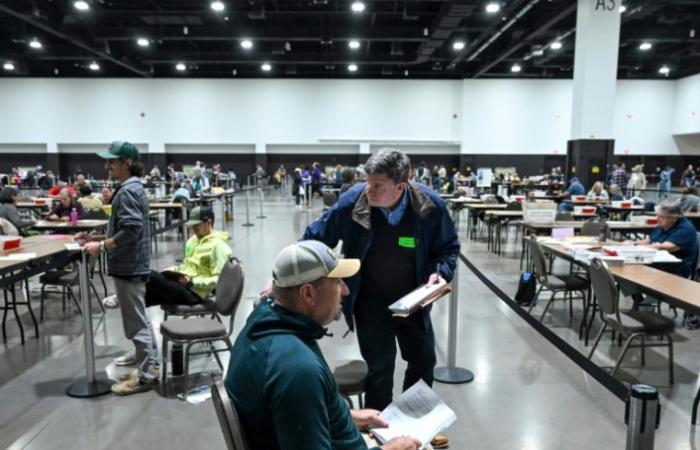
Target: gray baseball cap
(307, 261)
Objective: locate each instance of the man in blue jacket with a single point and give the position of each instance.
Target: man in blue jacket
(284, 392)
(404, 236)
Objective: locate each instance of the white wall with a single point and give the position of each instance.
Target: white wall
(480, 116)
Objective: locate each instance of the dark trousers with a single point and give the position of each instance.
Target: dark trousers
(377, 333)
(161, 290)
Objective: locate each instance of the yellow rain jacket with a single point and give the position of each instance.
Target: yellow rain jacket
(204, 261)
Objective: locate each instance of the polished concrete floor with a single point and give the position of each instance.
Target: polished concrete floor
(526, 394)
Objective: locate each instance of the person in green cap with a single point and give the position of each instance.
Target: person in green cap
(128, 261)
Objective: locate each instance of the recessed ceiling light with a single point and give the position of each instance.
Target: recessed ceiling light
(623, 8)
(81, 5)
(218, 5)
(352, 67)
(247, 44)
(8, 66)
(34, 43)
(458, 45)
(664, 70)
(493, 7)
(354, 45)
(143, 42)
(181, 67)
(645, 46)
(515, 68)
(94, 66)
(266, 67)
(556, 45)
(357, 7)
(538, 52)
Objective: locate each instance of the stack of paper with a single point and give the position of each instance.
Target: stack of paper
(423, 296)
(418, 413)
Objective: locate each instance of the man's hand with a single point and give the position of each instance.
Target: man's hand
(92, 248)
(435, 278)
(64, 219)
(267, 290)
(364, 418)
(52, 217)
(184, 280)
(402, 443)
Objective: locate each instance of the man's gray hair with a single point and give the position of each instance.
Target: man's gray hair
(390, 162)
(671, 208)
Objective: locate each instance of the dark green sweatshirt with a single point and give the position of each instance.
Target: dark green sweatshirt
(283, 390)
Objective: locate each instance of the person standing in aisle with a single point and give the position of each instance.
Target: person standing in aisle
(128, 262)
(404, 236)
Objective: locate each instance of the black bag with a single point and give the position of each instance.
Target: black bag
(527, 288)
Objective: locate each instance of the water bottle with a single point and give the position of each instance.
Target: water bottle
(177, 361)
(73, 217)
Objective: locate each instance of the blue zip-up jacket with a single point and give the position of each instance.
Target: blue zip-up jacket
(437, 244)
(285, 393)
(128, 226)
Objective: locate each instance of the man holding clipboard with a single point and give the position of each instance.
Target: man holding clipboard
(404, 236)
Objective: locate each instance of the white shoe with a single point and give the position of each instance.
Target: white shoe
(127, 359)
(110, 302)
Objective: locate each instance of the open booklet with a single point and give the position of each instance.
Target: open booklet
(418, 413)
(421, 297)
(172, 272)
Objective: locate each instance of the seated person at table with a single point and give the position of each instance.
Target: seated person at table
(182, 191)
(554, 188)
(575, 188)
(61, 210)
(205, 255)
(689, 200)
(615, 194)
(677, 235)
(8, 210)
(80, 181)
(86, 199)
(597, 192)
(56, 189)
(106, 195)
(283, 390)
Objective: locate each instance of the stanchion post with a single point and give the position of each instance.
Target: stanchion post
(452, 374)
(247, 208)
(262, 196)
(642, 417)
(90, 386)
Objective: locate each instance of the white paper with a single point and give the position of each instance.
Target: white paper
(18, 257)
(408, 302)
(418, 413)
(198, 395)
(72, 246)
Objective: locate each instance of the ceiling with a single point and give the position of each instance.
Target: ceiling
(310, 39)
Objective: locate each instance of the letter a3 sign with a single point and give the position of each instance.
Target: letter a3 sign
(605, 5)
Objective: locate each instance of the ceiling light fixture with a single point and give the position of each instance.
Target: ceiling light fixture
(515, 68)
(34, 43)
(645, 46)
(81, 5)
(181, 67)
(623, 8)
(266, 67)
(556, 45)
(143, 42)
(458, 45)
(354, 44)
(664, 70)
(493, 8)
(94, 66)
(247, 44)
(352, 67)
(8, 66)
(357, 7)
(218, 5)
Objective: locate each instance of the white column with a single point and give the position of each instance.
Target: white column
(595, 68)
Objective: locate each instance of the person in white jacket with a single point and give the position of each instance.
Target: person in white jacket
(638, 181)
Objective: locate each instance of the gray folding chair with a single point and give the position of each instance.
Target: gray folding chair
(591, 227)
(229, 290)
(228, 418)
(630, 324)
(564, 216)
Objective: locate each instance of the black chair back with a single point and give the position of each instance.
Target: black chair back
(539, 260)
(563, 216)
(229, 288)
(591, 227)
(604, 287)
(228, 418)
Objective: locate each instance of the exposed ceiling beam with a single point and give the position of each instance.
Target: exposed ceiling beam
(38, 23)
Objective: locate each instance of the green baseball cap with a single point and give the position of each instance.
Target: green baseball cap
(121, 150)
(200, 214)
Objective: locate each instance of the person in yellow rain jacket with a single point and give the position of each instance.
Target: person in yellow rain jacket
(205, 255)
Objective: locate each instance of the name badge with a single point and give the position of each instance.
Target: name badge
(407, 242)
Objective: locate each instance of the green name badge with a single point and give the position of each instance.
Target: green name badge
(407, 242)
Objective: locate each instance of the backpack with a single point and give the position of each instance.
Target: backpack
(527, 289)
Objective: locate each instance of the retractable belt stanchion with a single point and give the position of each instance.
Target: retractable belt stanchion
(262, 196)
(642, 417)
(91, 386)
(247, 208)
(451, 373)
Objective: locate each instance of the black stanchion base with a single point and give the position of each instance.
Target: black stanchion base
(83, 389)
(261, 217)
(452, 375)
(248, 224)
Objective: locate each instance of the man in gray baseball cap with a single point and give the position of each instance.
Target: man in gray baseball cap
(284, 392)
